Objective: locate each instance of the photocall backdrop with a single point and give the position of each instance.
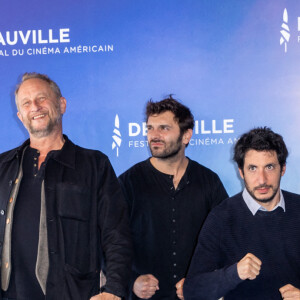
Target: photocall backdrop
(236, 64)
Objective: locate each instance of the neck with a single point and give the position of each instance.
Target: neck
(173, 166)
(271, 204)
(168, 166)
(48, 143)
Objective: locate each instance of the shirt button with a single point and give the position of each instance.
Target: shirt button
(10, 182)
(2, 212)
(174, 253)
(174, 264)
(173, 209)
(172, 188)
(175, 276)
(34, 165)
(174, 231)
(174, 220)
(35, 158)
(173, 198)
(174, 242)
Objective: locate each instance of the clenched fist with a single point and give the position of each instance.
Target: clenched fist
(249, 267)
(145, 286)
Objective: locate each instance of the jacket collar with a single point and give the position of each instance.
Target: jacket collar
(16, 153)
(65, 156)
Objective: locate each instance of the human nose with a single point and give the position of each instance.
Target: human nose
(154, 133)
(262, 178)
(35, 105)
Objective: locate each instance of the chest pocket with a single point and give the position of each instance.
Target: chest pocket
(74, 208)
(74, 201)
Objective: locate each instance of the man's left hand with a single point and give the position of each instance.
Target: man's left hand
(289, 292)
(179, 288)
(105, 296)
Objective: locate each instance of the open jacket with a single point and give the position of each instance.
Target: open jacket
(86, 219)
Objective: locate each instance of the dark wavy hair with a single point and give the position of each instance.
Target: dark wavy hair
(260, 139)
(182, 114)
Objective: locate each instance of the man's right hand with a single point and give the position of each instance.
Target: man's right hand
(249, 267)
(145, 286)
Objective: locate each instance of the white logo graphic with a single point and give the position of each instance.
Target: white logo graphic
(285, 32)
(117, 135)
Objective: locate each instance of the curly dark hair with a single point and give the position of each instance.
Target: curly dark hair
(182, 114)
(260, 139)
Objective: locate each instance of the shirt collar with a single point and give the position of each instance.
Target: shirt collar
(254, 206)
(65, 156)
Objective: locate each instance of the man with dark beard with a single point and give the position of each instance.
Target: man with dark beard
(249, 246)
(62, 211)
(169, 197)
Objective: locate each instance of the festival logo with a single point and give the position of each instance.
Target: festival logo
(285, 31)
(116, 144)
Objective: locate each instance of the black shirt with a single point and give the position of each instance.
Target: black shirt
(165, 222)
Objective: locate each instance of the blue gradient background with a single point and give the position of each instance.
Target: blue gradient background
(221, 58)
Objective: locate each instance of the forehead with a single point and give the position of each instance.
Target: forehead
(254, 157)
(33, 86)
(166, 117)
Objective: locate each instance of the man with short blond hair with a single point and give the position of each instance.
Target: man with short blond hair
(61, 209)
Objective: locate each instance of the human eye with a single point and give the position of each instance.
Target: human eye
(252, 168)
(25, 104)
(165, 127)
(42, 98)
(149, 127)
(270, 167)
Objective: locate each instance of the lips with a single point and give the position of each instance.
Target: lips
(156, 145)
(156, 142)
(38, 116)
(263, 189)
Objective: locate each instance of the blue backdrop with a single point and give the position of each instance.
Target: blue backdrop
(234, 63)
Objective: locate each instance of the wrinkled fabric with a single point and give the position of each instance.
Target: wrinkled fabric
(87, 221)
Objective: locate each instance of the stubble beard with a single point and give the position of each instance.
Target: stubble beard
(39, 133)
(170, 151)
(265, 200)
